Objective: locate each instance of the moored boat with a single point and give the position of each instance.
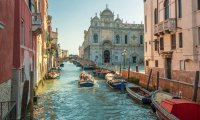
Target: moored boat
(62, 65)
(139, 94)
(53, 74)
(169, 107)
(86, 80)
(88, 67)
(115, 81)
(101, 73)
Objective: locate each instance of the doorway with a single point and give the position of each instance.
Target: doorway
(168, 68)
(134, 58)
(106, 56)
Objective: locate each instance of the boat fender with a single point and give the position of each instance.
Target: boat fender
(153, 107)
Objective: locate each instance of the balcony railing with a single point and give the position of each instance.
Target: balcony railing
(8, 110)
(36, 22)
(168, 25)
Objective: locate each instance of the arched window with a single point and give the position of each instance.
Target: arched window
(126, 39)
(95, 38)
(166, 7)
(117, 39)
(155, 16)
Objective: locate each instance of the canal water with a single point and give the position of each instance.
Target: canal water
(63, 100)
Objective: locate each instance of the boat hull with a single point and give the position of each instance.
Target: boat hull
(135, 93)
(86, 84)
(118, 86)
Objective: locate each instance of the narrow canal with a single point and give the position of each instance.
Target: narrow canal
(63, 100)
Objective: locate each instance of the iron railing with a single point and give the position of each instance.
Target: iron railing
(8, 110)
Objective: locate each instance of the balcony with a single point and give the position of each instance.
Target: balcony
(166, 26)
(36, 23)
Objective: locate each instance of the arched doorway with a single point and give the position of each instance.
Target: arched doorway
(106, 56)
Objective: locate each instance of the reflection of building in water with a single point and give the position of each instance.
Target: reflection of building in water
(107, 38)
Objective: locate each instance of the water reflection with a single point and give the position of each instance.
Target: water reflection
(63, 100)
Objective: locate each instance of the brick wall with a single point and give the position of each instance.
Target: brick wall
(173, 86)
(6, 39)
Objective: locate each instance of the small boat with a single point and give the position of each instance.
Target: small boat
(139, 94)
(62, 65)
(170, 107)
(115, 81)
(88, 67)
(86, 80)
(101, 73)
(53, 74)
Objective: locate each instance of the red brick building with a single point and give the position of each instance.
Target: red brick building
(6, 51)
(22, 55)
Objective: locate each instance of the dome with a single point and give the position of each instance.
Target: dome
(95, 18)
(118, 20)
(107, 12)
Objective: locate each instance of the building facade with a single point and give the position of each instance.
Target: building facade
(23, 56)
(7, 10)
(109, 40)
(172, 38)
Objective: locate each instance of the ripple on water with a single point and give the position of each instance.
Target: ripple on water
(64, 100)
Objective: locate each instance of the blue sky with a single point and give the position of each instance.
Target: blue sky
(72, 17)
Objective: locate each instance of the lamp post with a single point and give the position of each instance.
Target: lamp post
(124, 52)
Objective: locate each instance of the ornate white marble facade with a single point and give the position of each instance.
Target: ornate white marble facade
(107, 37)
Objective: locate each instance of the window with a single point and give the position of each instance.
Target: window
(161, 44)
(117, 39)
(180, 40)
(95, 37)
(156, 45)
(173, 41)
(156, 63)
(179, 8)
(166, 7)
(147, 63)
(22, 32)
(198, 2)
(146, 46)
(126, 39)
(116, 58)
(199, 35)
(155, 16)
(145, 23)
(182, 65)
(141, 39)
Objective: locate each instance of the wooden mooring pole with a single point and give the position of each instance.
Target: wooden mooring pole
(149, 78)
(196, 83)
(129, 67)
(136, 68)
(120, 69)
(157, 80)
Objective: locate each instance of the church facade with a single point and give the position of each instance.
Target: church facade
(109, 40)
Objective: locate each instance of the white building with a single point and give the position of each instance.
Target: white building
(107, 38)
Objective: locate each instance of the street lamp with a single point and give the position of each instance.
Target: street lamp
(124, 52)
